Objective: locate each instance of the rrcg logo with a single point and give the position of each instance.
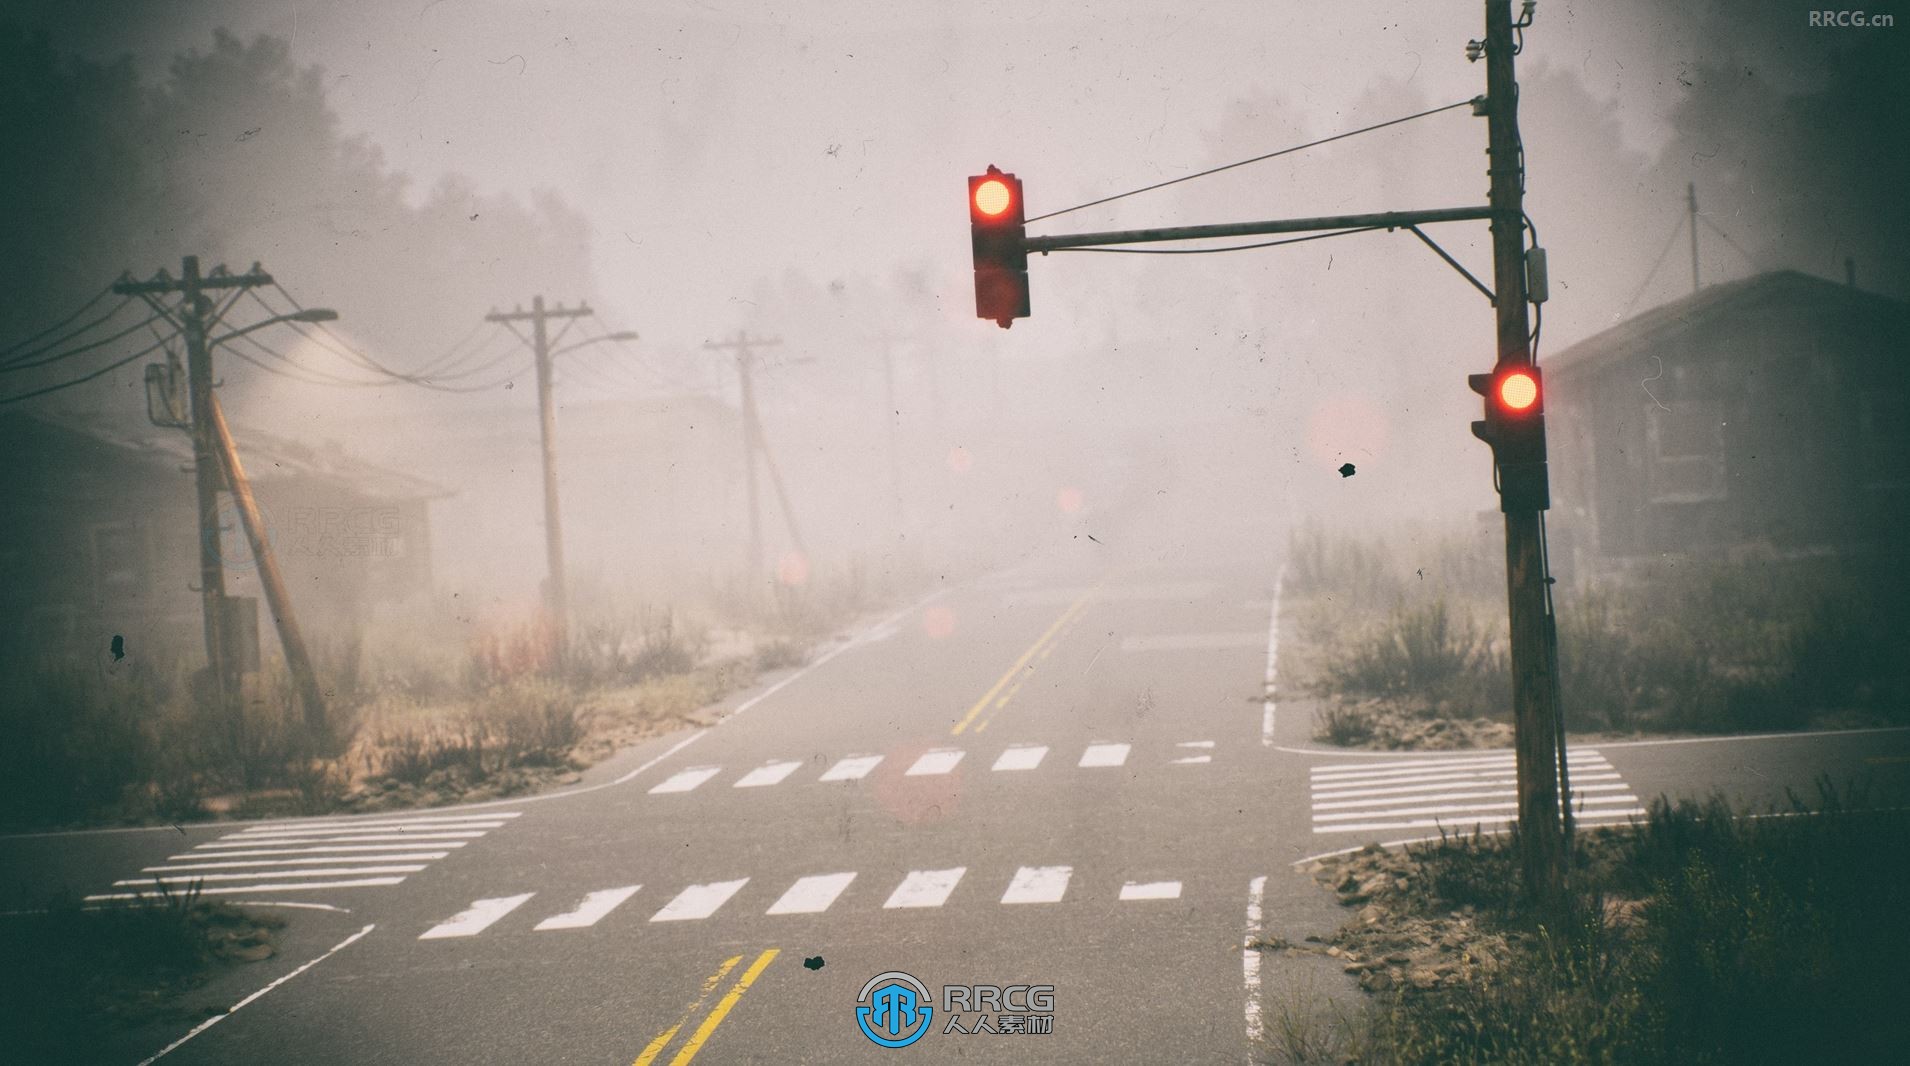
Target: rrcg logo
(894, 1009)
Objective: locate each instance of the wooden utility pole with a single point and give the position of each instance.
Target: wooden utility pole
(1534, 686)
(277, 600)
(754, 443)
(556, 599)
(1691, 221)
(197, 316)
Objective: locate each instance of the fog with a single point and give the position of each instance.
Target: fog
(692, 170)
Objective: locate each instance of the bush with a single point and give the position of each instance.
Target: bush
(1775, 939)
(1421, 650)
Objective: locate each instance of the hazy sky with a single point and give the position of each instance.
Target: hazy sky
(712, 143)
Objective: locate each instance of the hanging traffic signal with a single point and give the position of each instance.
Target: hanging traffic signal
(1515, 428)
(996, 230)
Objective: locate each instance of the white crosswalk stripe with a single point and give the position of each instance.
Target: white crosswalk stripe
(853, 768)
(1013, 758)
(938, 761)
(811, 895)
(476, 918)
(685, 780)
(328, 853)
(1020, 757)
(767, 774)
(1457, 791)
(1038, 884)
(699, 901)
(925, 888)
(589, 911)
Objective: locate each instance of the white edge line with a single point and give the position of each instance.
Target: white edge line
(296, 906)
(1273, 654)
(861, 637)
(1250, 965)
(234, 1009)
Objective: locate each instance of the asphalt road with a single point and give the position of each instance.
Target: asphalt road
(1065, 775)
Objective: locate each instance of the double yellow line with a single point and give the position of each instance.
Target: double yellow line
(1011, 681)
(717, 1013)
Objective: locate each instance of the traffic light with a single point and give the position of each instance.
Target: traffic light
(1001, 265)
(1515, 428)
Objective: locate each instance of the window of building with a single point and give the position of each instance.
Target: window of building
(1687, 451)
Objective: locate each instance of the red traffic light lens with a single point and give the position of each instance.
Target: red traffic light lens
(1518, 391)
(993, 198)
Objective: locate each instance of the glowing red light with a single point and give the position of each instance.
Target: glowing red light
(993, 198)
(1518, 390)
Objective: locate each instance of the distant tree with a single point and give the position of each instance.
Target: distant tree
(236, 156)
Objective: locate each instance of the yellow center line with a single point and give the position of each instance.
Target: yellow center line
(722, 1008)
(1053, 643)
(655, 1047)
(1020, 664)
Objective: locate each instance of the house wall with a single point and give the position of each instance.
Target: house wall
(1782, 425)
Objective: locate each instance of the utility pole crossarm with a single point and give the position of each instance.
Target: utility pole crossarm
(1377, 220)
(559, 311)
(249, 279)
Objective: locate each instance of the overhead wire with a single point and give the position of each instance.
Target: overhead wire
(298, 371)
(1255, 159)
(101, 372)
(28, 364)
(350, 353)
(64, 322)
(1655, 266)
(1748, 257)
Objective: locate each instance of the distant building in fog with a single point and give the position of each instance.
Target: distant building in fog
(100, 536)
(1767, 411)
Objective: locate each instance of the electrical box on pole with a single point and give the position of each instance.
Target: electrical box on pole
(1001, 260)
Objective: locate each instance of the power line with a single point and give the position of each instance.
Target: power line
(1643, 285)
(24, 360)
(101, 372)
(64, 322)
(306, 374)
(1255, 159)
(1748, 258)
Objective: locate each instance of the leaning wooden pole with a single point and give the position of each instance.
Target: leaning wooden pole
(277, 599)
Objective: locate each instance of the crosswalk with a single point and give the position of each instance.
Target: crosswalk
(1458, 791)
(303, 856)
(808, 894)
(935, 762)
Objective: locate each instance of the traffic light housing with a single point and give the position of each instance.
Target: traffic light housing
(996, 230)
(1514, 426)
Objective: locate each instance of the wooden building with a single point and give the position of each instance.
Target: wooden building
(101, 538)
(1767, 412)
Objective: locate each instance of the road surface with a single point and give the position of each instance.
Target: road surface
(1068, 774)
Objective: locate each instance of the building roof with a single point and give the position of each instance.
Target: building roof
(267, 458)
(1709, 305)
